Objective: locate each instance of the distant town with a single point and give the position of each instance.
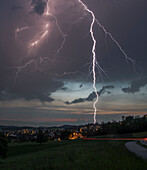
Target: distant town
(128, 124)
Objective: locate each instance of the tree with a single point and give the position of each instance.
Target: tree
(65, 134)
(3, 145)
(40, 137)
(123, 118)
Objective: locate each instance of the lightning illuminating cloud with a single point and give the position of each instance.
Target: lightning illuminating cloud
(39, 37)
(19, 30)
(48, 12)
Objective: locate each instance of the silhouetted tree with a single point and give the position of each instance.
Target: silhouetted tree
(3, 145)
(65, 134)
(123, 118)
(40, 137)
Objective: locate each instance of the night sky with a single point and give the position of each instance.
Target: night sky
(46, 81)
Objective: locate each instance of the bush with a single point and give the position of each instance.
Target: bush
(41, 137)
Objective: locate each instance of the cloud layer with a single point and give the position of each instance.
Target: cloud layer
(36, 85)
(135, 86)
(38, 6)
(92, 96)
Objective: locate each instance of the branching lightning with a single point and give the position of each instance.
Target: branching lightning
(94, 62)
(47, 13)
(117, 44)
(19, 30)
(20, 68)
(94, 57)
(39, 37)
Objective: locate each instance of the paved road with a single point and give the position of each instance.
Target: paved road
(137, 149)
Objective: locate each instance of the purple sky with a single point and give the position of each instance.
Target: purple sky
(44, 81)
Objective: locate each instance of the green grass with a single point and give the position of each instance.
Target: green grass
(72, 155)
(26, 148)
(140, 135)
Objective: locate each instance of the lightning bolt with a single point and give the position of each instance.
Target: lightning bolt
(19, 30)
(36, 40)
(20, 68)
(41, 35)
(95, 63)
(94, 57)
(117, 44)
(48, 13)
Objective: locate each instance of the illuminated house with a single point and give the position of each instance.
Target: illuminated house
(75, 135)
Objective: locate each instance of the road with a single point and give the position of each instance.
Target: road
(137, 149)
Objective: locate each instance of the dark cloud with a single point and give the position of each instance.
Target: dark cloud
(75, 22)
(64, 88)
(38, 6)
(81, 85)
(108, 92)
(36, 85)
(92, 96)
(80, 100)
(135, 86)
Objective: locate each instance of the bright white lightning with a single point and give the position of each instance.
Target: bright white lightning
(42, 34)
(19, 30)
(34, 43)
(95, 63)
(94, 57)
(47, 8)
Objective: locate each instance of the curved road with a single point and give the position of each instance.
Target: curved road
(137, 149)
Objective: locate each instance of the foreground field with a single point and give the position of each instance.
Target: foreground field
(78, 155)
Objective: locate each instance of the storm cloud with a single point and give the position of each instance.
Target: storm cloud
(135, 86)
(44, 79)
(38, 6)
(36, 85)
(92, 96)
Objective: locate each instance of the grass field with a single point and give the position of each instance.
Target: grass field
(68, 155)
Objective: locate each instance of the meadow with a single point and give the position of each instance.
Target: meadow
(72, 155)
